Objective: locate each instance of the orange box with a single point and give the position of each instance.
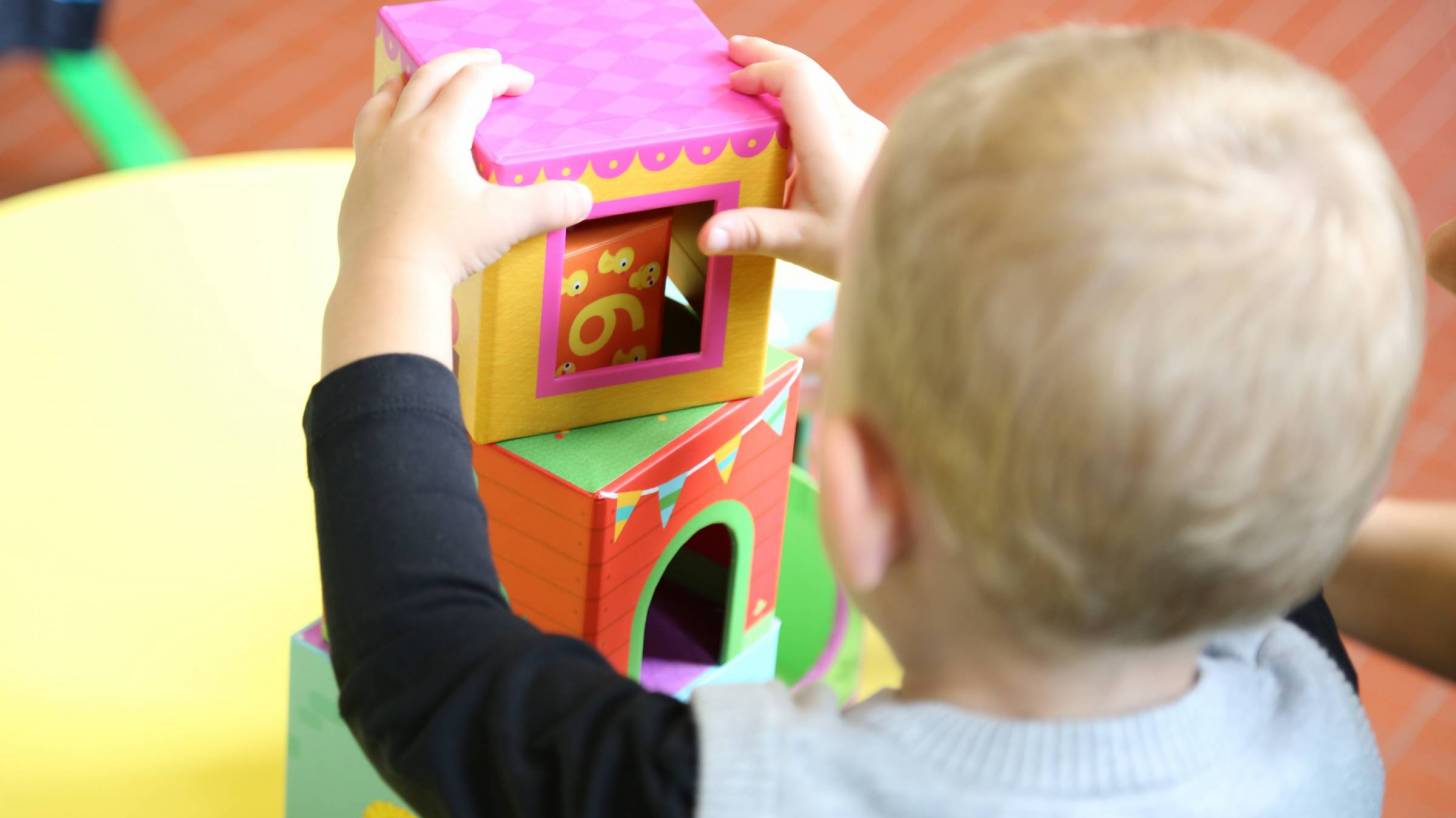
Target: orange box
(612, 289)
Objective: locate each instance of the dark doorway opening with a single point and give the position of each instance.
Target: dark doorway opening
(686, 617)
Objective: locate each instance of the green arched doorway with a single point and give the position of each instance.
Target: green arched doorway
(696, 597)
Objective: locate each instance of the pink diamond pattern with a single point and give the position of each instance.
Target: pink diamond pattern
(610, 75)
(601, 61)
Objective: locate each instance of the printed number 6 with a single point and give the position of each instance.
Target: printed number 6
(605, 309)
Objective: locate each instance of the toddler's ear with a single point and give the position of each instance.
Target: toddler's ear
(863, 503)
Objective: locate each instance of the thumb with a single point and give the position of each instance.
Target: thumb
(765, 231)
(529, 211)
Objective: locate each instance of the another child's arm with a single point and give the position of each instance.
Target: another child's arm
(1396, 589)
(463, 707)
(835, 143)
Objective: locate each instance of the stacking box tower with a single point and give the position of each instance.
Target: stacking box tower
(633, 433)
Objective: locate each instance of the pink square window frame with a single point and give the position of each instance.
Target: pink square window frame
(724, 196)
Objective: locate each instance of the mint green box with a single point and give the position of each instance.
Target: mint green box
(817, 638)
(327, 774)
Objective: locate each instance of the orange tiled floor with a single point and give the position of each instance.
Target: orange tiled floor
(234, 75)
(1414, 716)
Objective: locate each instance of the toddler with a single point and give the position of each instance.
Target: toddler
(1129, 322)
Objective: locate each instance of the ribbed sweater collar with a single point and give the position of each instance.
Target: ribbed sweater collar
(1090, 757)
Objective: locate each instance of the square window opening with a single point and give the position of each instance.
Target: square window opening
(636, 298)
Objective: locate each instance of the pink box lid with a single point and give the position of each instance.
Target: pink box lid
(615, 80)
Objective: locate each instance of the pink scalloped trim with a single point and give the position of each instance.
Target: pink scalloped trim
(703, 151)
(392, 47)
(395, 50)
(610, 164)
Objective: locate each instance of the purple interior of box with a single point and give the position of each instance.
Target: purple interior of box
(682, 639)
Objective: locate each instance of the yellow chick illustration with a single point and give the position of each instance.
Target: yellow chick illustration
(645, 278)
(566, 368)
(628, 356)
(574, 284)
(618, 262)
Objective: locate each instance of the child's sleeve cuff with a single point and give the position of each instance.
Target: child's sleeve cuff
(383, 383)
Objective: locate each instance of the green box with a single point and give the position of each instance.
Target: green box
(328, 775)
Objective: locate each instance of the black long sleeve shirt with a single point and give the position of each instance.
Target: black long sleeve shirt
(463, 707)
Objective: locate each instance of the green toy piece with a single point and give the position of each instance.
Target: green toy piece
(327, 774)
(817, 637)
(593, 456)
(739, 520)
(114, 113)
(822, 634)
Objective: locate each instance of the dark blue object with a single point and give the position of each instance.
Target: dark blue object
(49, 24)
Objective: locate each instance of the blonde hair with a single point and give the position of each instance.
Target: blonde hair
(1139, 313)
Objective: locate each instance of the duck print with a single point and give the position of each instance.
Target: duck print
(618, 262)
(628, 356)
(574, 284)
(645, 278)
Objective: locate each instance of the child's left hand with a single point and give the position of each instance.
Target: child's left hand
(417, 219)
(814, 349)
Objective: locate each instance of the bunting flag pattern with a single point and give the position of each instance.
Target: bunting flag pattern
(774, 416)
(667, 494)
(725, 456)
(777, 410)
(626, 501)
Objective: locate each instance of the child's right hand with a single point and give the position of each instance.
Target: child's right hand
(417, 218)
(834, 145)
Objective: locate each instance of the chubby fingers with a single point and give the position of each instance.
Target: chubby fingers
(746, 50)
(814, 349)
(518, 213)
(466, 98)
(792, 235)
(431, 77)
(376, 112)
(770, 68)
(813, 102)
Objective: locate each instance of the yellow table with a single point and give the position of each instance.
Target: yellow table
(159, 331)
(160, 335)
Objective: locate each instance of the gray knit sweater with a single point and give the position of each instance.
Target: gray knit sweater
(1270, 728)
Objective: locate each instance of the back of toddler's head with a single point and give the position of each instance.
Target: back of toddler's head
(1139, 314)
